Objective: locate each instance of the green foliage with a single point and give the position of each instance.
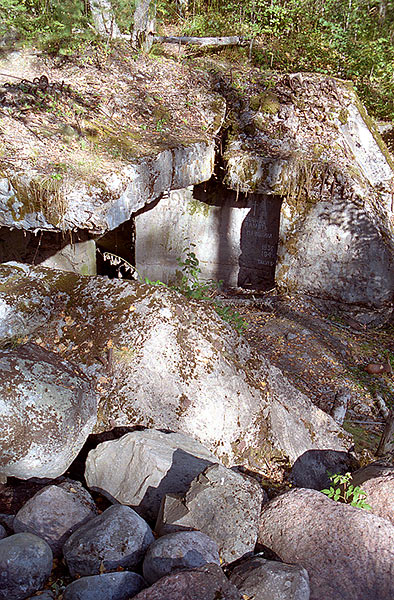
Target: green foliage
(191, 285)
(346, 492)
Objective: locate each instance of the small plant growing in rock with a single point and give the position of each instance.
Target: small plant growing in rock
(346, 492)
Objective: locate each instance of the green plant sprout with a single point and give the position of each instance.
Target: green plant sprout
(349, 494)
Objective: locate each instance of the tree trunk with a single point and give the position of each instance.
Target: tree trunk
(202, 41)
(104, 18)
(386, 443)
(144, 25)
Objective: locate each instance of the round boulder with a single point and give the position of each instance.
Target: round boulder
(25, 565)
(47, 410)
(118, 537)
(183, 549)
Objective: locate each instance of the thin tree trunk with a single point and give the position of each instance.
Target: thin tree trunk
(386, 443)
(104, 18)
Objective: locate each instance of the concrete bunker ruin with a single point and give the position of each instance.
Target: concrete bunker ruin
(234, 235)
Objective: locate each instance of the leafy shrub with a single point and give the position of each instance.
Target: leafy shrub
(346, 492)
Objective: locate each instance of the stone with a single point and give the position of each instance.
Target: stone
(174, 364)
(334, 174)
(139, 468)
(3, 532)
(118, 537)
(55, 512)
(347, 551)
(25, 565)
(223, 504)
(182, 549)
(236, 240)
(205, 583)
(312, 469)
(108, 586)
(47, 410)
(44, 595)
(69, 252)
(380, 496)
(263, 579)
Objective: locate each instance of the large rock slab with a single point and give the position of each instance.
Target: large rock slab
(47, 410)
(335, 175)
(205, 583)
(142, 466)
(163, 361)
(25, 565)
(347, 551)
(223, 504)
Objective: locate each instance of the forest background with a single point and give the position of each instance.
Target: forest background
(350, 39)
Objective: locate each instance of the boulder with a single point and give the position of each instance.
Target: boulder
(223, 504)
(142, 466)
(312, 469)
(347, 551)
(263, 579)
(25, 565)
(163, 361)
(116, 538)
(108, 586)
(380, 496)
(335, 175)
(205, 583)
(47, 410)
(3, 532)
(55, 512)
(182, 549)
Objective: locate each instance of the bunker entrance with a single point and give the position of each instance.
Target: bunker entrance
(234, 236)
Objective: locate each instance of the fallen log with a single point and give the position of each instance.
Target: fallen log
(232, 40)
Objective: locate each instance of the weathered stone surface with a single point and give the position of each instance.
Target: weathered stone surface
(223, 504)
(3, 532)
(312, 469)
(335, 175)
(182, 549)
(167, 362)
(116, 538)
(142, 466)
(205, 583)
(47, 410)
(25, 565)
(347, 551)
(108, 586)
(55, 512)
(262, 579)
(236, 238)
(380, 496)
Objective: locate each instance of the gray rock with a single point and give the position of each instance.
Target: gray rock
(312, 469)
(142, 466)
(108, 586)
(25, 565)
(43, 595)
(262, 579)
(205, 380)
(380, 496)
(7, 521)
(48, 409)
(205, 583)
(3, 532)
(223, 504)
(55, 512)
(183, 549)
(332, 245)
(118, 537)
(347, 551)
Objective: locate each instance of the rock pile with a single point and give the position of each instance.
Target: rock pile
(197, 537)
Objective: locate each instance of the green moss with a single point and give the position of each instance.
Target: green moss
(343, 116)
(195, 207)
